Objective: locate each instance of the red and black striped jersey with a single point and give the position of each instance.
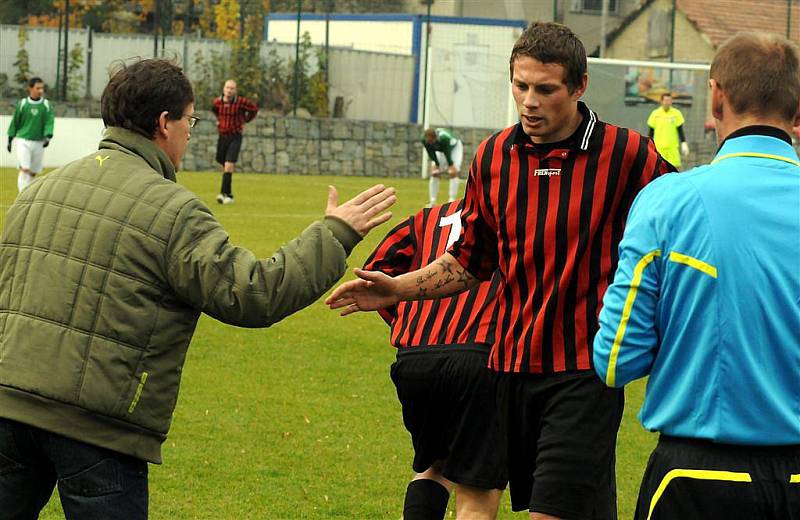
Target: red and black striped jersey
(550, 219)
(467, 318)
(233, 114)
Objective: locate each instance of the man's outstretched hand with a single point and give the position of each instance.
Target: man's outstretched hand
(372, 290)
(364, 211)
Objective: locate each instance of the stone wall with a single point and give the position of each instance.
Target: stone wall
(313, 146)
(304, 146)
(82, 108)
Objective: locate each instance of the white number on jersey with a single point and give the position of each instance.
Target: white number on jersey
(454, 221)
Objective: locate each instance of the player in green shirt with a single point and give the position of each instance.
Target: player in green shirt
(666, 129)
(32, 128)
(444, 150)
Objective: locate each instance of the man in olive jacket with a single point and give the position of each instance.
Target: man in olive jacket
(105, 267)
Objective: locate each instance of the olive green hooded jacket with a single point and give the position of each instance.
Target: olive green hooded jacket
(105, 267)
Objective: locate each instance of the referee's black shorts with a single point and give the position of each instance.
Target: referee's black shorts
(228, 147)
(691, 478)
(561, 432)
(448, 398)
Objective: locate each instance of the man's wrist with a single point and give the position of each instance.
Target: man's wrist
(343, 232)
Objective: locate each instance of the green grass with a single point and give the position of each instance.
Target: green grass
(300, 420)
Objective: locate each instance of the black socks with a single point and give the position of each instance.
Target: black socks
(226, 184)
(425, 500)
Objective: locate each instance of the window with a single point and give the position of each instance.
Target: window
(593, 6)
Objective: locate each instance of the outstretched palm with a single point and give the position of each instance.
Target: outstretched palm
(372, 290)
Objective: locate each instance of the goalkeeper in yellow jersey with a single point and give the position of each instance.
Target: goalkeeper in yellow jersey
(666, 129)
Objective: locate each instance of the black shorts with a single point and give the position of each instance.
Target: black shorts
(448, 398)
(689, 478)
(561, 432)
(228, 147)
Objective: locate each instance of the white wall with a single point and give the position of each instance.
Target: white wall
(367, 35)
(73, 138)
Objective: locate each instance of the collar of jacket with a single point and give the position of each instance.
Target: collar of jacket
(580, 139)
(759, 144)
(124, 140)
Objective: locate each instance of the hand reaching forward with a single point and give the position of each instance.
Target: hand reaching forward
(372, 290)
(364, 211)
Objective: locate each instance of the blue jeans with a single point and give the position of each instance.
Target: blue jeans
(93, 483)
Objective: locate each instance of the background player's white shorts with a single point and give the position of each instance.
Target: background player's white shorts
(457, 154)
(29, 154)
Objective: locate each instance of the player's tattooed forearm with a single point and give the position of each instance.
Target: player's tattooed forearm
(423, 291)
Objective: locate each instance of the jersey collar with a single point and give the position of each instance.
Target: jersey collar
(769, 131)
(580, 139)
(758, 140)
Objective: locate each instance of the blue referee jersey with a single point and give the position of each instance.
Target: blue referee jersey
(706, 298)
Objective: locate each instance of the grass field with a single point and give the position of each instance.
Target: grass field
(300, 420)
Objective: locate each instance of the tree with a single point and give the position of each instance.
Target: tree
(51, 17)
(226, 17)
(207, 19)
(22, 64)
(17, 13)
(74, 74)
(275, 85)
(207, 82)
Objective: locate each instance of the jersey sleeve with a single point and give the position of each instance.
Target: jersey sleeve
(654, 167)
(627, 341)
(431, 149)
(215, 106)
(250, 109)
(49, 123)
(394, 256)
(679, 120)
(651, 120)
(12, 127)
(476, 248)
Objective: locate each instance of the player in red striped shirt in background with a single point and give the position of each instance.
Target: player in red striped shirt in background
(546, 203)
(232, 113)
(446, 390)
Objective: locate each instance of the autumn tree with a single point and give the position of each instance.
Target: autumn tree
(226, 17)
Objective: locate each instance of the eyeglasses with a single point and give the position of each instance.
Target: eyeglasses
(193, 120)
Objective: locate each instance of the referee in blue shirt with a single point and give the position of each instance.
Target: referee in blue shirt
(706, 300)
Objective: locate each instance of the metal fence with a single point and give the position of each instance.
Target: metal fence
(369, 83)
(626, 92)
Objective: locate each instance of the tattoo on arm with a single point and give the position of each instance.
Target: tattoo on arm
(441, 282)
(446, 267)
(440, 279)
(465, 278)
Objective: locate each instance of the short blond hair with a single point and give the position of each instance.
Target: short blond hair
(760, 74)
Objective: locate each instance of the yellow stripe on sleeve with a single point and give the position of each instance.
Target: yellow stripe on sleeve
(794, 479)
(756, 154)
(679, 258)
(626, 313)
(698, 474)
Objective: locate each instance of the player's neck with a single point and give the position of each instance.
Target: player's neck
(565, 132)
(729, 124)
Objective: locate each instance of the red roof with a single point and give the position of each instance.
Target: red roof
(720, 19)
